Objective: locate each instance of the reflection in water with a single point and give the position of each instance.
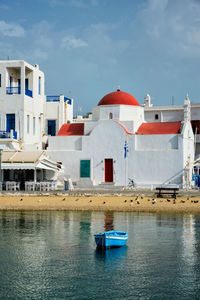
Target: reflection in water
(108, 221)
(52, 255)
(189, 240)
(110, 255)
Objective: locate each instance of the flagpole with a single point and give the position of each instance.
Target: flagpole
(126, 159)
(127, 162)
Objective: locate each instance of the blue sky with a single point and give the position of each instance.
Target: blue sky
(87, 48)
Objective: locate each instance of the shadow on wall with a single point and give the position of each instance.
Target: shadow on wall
(174, 142)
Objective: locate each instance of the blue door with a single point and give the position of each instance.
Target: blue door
(11, 81)
(51, 127)
(26, 83)
(10, 122)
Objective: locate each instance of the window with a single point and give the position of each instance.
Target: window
(10, 122)
(39, 85)
(51, 127)
(85, 168)
(156, 116)
(33, 125)
(19, 85)
(28, 123)
(0, 80)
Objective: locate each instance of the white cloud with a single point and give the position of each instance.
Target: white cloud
(71, 42)
(11, 30)
(174, 25)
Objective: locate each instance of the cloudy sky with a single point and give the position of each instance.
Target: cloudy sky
(87, 48)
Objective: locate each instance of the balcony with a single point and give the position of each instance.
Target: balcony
(10, 90)
(28, 92)
(8, 135)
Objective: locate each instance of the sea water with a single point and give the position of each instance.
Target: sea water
(52, 255)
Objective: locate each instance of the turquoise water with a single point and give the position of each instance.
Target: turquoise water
(52, 255)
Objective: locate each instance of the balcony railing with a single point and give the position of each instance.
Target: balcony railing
(57, 99)
(28, 92)
(10, 90)
(53, 99)
(8, 135)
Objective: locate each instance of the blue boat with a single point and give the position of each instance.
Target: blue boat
(111, 239)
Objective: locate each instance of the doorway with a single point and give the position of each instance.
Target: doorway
(108, 170)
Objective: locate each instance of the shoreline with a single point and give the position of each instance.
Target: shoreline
(120, 203)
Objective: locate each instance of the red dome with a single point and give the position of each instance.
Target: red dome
(118, 98)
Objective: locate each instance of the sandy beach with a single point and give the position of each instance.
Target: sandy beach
(186, 204)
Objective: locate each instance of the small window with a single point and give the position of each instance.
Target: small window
(110, 116)
(28, 123)
(85, 168)
(33, 125)
(0, 80)
(156, 116)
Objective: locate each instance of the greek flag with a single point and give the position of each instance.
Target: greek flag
(126, 149)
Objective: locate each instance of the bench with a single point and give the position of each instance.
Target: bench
(173, 191)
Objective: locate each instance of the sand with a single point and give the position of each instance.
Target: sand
(101, 203)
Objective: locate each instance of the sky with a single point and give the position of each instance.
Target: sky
(87, 48)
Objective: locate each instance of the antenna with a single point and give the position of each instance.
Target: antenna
(172, 100)
(70, 94)
(8, 57)
(79, 109)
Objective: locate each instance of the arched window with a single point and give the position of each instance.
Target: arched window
(110, 115)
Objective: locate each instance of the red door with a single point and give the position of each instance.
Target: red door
(108, 170)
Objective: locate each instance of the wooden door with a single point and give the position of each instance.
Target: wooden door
(108, 170)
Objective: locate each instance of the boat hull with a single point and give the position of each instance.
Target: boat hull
(111, 239)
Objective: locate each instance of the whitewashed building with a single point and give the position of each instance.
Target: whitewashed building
(27, 118)
(93, 151)
(158, 142)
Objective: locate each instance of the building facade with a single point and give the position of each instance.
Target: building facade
(94, 152)
(27, 115)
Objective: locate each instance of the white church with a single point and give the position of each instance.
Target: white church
(120, 140)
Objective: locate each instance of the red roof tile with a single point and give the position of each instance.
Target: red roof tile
(71, 129)
(159, 128)
(118, 98)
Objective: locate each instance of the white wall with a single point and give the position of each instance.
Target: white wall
(156, 142)
(155, 165)
(65, 143)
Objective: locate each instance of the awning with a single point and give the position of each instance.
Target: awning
(28, 160)
(15, 166)
(41, 165)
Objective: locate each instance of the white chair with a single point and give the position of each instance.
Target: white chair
(30, 186)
